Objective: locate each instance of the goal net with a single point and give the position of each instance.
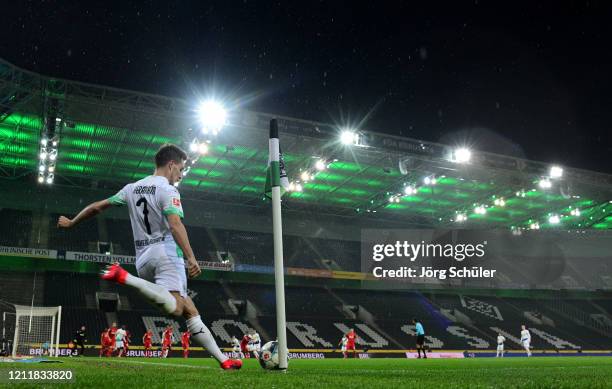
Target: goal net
(36, 331)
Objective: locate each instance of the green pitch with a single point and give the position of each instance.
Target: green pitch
(537, 372)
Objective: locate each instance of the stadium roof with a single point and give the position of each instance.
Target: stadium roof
(109, 136)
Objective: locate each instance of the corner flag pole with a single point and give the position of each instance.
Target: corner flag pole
(279, 272)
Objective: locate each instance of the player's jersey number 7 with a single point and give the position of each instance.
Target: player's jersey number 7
(145, 213)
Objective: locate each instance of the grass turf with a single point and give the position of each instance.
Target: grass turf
(537, 372)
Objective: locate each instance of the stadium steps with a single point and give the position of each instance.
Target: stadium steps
(579, 317)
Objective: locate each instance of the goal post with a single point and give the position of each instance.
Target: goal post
(37, 331)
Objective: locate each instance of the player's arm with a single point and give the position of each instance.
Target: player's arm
(88, 212)
(180, 237)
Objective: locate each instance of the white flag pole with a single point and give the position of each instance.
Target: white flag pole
(277, 228)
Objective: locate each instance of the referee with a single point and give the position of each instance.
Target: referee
(420, 332)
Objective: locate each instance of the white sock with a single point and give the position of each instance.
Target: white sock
(202, 336)
(156, 294)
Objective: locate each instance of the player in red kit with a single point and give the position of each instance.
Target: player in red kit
(147, 339)
(351, 336)
(244, 345)
(167, 341)
(104, 342)
(185, 343)
(111, 334)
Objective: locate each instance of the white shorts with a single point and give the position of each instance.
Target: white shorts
(160, 264)
(343, 349)
(500, 347)
(526, 343)
(118, 345)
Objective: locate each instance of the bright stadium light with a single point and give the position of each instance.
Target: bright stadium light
(534, 226)
(298, 187)
(41, 179)
(499, 202)
(41, 168)
(556, 172)
(44, 141)
(575, 212)
(409, 190)
(50, 179)
(461, 217)
(461, 155)
(394, 199)
(480, 210)
(349, 137)
(193, 147)
(203, 148)
(43, 155)
(305, 176)
(430, 180)
(51, 169)
(545, 183)
(212, 115)
(320, 165)
(554, 219)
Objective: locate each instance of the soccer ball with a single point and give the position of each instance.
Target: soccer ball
(268, 357)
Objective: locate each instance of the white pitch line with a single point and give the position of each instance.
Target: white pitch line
(155, 364)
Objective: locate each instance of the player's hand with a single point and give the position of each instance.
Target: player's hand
(193, 269)
(64, 222)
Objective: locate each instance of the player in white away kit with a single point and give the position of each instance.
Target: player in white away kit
(526, 339)
(162, 245)
(342, 345)
(236, 346)
(119, 338)
(500, 345)
(255, 344)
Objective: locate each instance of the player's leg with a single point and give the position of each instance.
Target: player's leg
(199, 332)
(156, 267)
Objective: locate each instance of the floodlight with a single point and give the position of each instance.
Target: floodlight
(409, 190)
(50, 179)
(575, 212)
(554, 219)
(203, 148)
(43, 155)
(51, 168)
(212, 115)
(461, 217)
(305, 176)
(320, 164)
(462, 155)
(298, 187)
(44, 141)
(41, 168)
(534, 226)
(349, 137)
(193, 147)
(480, 210)
(556, 172)
(545, 183)
(500, 202)
(41, 179)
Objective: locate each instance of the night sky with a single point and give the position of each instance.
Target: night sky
(526, 79)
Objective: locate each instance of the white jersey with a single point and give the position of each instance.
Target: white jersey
(525, 336)
(255, 339)
(149, 201)
(500, 339)
(120, 335)
(344, 341)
